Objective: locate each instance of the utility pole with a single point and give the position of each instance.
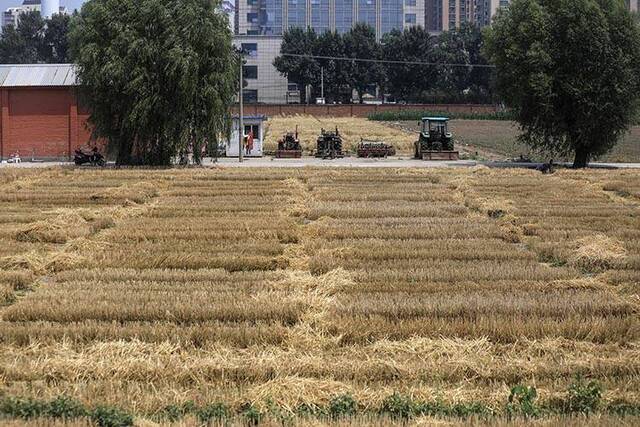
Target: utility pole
(322, 83)
(241, 118)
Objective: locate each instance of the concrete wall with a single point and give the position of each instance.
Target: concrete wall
(43, 123)
(360, 110)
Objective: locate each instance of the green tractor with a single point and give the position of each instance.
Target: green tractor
(435, 141)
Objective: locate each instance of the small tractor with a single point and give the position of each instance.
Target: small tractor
(435, 141)
(289, 146)
(375, 149)
(329, 145)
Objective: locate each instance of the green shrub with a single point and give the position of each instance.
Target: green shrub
(399, 406)
(465, 410)
(22, 408)
(343, 405)
(309, 410)
(623, 408)
(583, 397)
(175, 412)
(522, 402)
(253, 416)
(214, 412)
(65, 407)
(109, 416)
(412, 115)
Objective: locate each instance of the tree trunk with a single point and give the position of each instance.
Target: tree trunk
(581, 159)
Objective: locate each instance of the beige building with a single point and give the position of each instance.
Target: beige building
(264, 83)
(443, 15)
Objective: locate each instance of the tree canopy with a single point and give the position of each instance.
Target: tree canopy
(36, 40)
(404, 81)
(570, 71)
(300, 70)
(158, 76)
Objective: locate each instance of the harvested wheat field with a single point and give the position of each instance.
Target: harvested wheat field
(352, 130)
(316, 296)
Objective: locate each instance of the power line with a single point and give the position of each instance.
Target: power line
(386, 61)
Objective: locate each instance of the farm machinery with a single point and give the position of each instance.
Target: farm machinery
(289, 146)
(435, 141)
(329, 145)
(375, 149)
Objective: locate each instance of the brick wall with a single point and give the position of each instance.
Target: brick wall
(46, 123)
(43, 123)
(358, 110)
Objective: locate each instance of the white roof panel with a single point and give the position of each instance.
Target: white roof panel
(37, 75)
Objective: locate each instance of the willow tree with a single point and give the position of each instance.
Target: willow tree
(570, 70)
(158, 76)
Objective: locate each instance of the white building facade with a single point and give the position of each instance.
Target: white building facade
(264, 83)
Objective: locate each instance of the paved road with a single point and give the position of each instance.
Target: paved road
(394, 162)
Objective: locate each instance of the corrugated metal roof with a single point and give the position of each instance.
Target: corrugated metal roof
(37, 75)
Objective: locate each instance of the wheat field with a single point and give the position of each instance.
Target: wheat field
(352, 129)
(281, 294)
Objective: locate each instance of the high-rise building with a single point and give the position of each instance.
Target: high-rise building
(273, 17)
(443, 15)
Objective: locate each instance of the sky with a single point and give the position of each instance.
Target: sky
(70, 4)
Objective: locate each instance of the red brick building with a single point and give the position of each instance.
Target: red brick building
(39, 113)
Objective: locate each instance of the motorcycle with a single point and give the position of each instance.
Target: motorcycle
(94, 158)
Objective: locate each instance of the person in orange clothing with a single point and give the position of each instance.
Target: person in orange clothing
(249, 146)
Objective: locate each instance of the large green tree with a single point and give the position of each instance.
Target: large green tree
(157, 75)
(570, 71)
(13, 48)
(335, 72)
(31, 27)
(302, 70)
(36, 40)
(404, 80)
(360, 42)
(56, 41)
(463, 79)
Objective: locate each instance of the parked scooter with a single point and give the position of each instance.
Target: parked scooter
(94, 158)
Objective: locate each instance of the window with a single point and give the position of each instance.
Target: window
(250, 49)
(253, 32)
(250, 72)
(252, 2)
(410, 18)
(410, 2)
(252, 17)
(250, 96)
(254, 128)
(292, 87)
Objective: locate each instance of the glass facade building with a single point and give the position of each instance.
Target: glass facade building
(320, 16)
(392, 16)
(343, 15)
(367, 12)
(296, 14)
(273, 17)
